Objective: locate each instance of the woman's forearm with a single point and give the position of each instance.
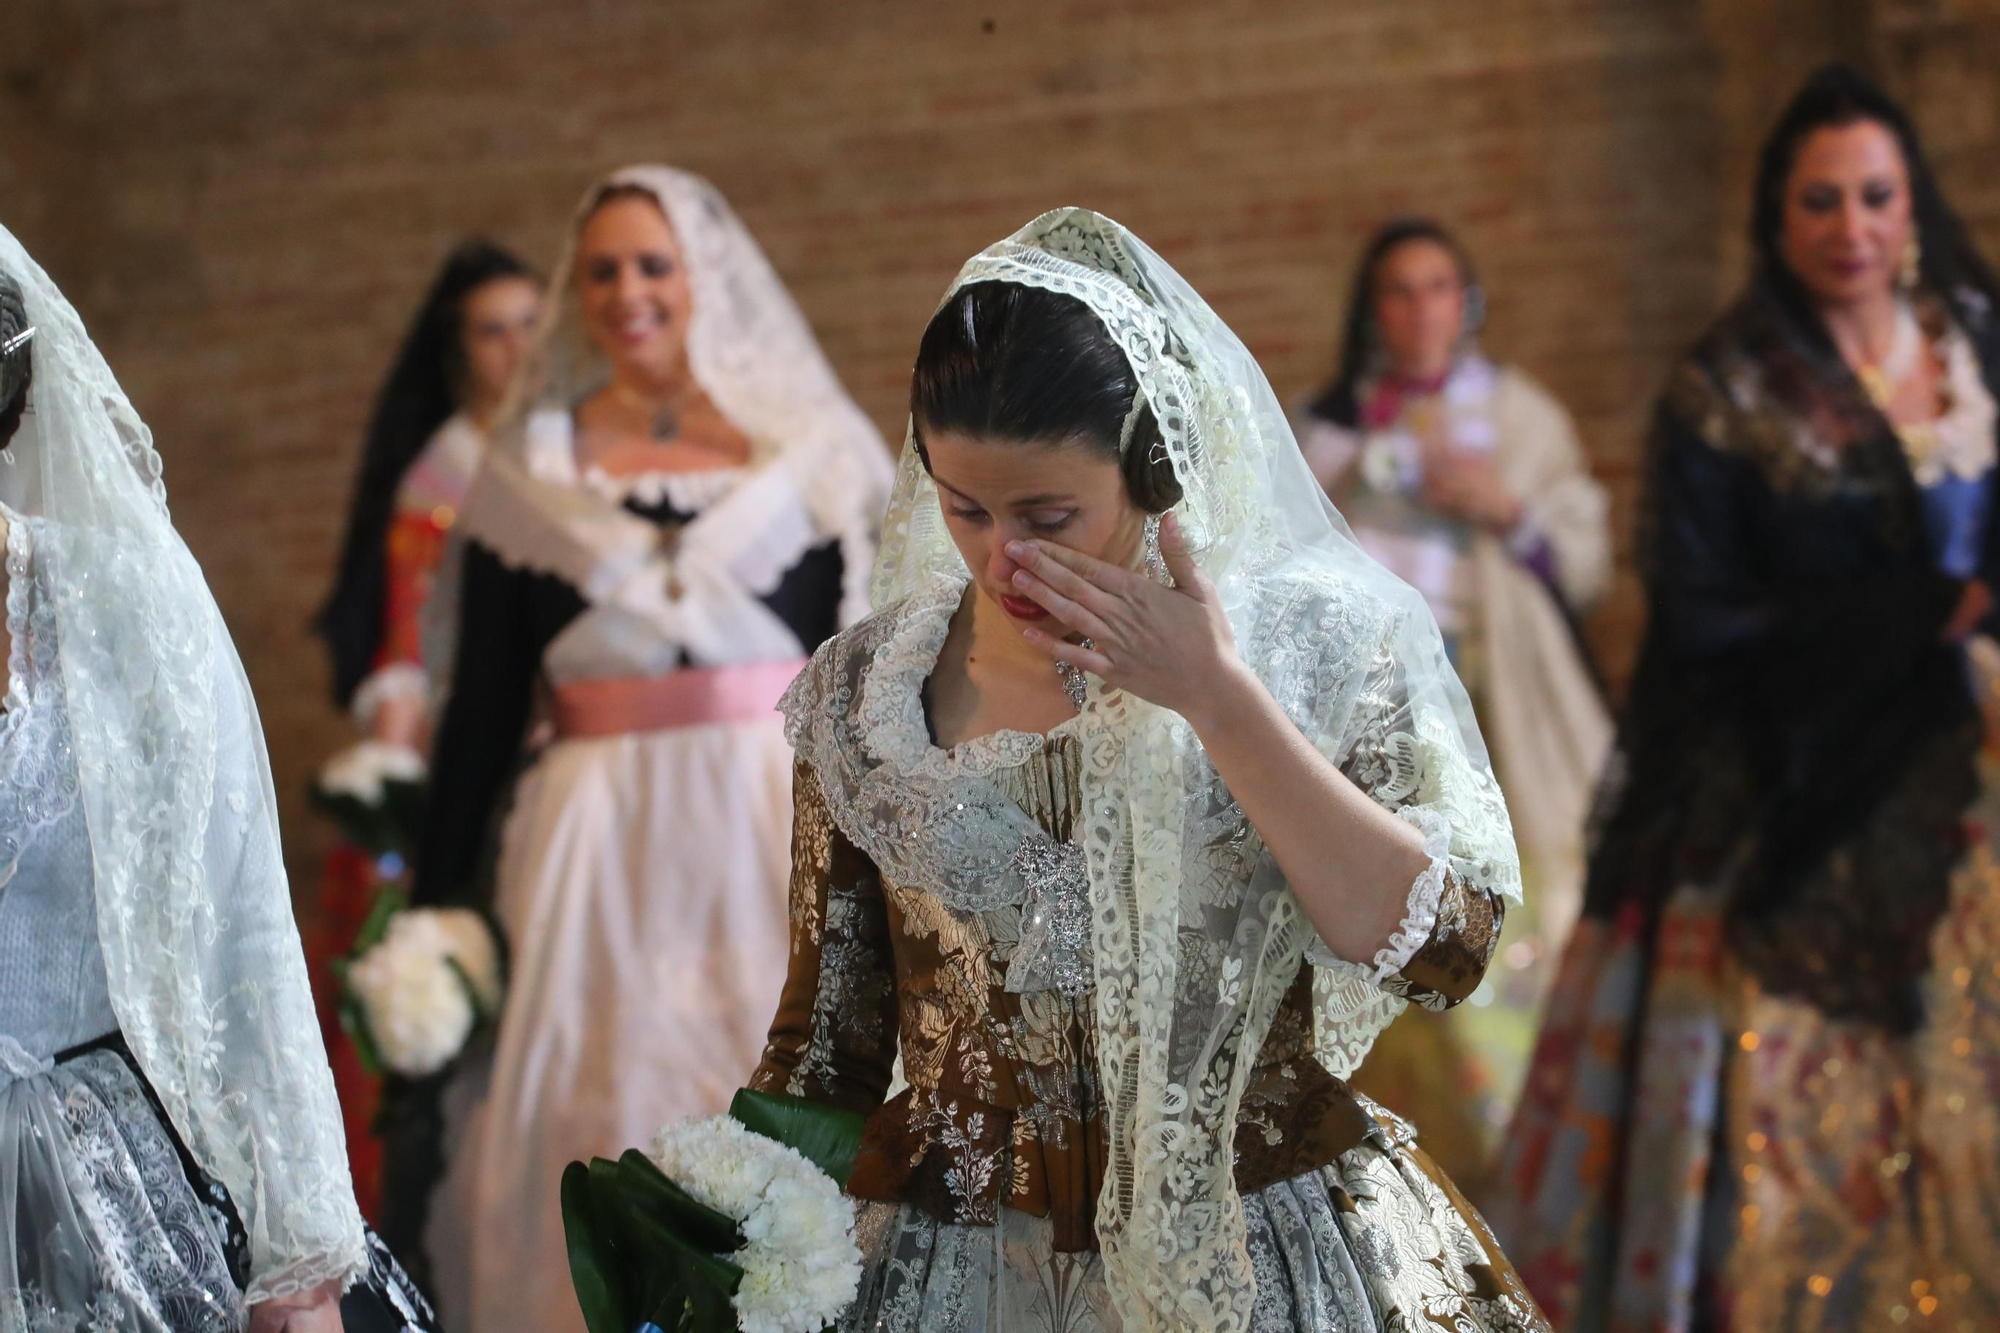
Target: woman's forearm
(1351, 862)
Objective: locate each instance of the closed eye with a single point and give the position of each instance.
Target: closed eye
(1051, 522)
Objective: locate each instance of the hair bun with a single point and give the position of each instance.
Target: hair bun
(17, 371)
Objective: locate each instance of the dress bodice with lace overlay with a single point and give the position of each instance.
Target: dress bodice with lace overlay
(53, 991)
(992, 1010)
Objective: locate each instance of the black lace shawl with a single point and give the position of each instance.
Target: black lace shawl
(1797, 734)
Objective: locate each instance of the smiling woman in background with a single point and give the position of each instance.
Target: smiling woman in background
(1764, 1098)
(681, 511)
(1465, 478)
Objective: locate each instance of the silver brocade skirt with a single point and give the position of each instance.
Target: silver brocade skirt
(106, 1229)
(107, 1225)
(1372, 1242)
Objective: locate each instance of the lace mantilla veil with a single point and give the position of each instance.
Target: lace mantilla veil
(194, 914)
(1195, 935)
(752, 352)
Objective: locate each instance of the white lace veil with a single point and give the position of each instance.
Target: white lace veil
(754, 355)
(1195, 935)
(194, 915)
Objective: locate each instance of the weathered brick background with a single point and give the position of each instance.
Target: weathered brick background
(245, 197)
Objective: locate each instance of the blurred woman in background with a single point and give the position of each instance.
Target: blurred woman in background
(1765, 1095)
(1466, 480)
(425, 441)
(684, 508)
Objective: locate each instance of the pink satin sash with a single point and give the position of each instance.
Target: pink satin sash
(691, 697)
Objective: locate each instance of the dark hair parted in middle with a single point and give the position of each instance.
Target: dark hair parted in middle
(421, 393)
(1836, 96)
(1006, 362)
(1340, 401)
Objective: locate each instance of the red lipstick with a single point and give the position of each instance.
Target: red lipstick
(1023, 608)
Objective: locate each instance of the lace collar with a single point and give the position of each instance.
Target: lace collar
(551, 456)
(893, 723)
(1959, 444)
(933, 819)
(689, 492)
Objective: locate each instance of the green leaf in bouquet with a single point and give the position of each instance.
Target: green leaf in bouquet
(375, 926)
(652, 1193)
(482, 1012)
(699, 1297)
(368, 827)
(403, 805)
(827, 1136)
(590, 1222)
(641, 1249)
(355, 1024)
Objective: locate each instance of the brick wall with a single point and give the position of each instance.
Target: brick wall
(245, 200)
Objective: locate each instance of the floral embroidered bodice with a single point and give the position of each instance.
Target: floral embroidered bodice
(53, 991)
(988, 999)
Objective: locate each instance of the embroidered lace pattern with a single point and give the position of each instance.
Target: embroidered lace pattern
(37, 767)
(194, 915)
(140, 1250)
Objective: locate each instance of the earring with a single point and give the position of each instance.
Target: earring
(1156, 563)
(1475, 309)
(1912, 271)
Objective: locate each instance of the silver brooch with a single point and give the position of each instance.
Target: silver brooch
(1071, 676)
(1054, 952)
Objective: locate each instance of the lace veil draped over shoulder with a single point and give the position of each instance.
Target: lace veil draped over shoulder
(1195, 935)
(194, 915)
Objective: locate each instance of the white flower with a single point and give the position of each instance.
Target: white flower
(801, 1266)
(415, 1005)
(1389, 462)
(362, 770)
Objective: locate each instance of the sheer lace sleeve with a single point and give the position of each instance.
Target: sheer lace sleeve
(834, 1039)
(1450, 925)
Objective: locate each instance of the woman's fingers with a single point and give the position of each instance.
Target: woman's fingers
(1071, 612)
(1180, 561)
(1080, 577)
(1062, 650)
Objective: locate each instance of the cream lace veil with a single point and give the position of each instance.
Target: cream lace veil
(194, 915)
(752, 352)
(1195, 934)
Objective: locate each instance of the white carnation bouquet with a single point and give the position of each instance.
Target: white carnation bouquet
(420, 981)
(375, 792)
(732, 1222)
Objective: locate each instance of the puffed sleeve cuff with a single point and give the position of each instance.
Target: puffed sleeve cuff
(1420, 911)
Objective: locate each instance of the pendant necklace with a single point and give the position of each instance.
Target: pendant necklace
(665, 424)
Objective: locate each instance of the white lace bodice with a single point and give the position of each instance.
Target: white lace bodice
(53, 991)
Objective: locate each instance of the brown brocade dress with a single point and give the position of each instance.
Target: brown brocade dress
(980, 1178)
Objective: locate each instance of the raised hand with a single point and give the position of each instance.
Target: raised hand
(1170, 646)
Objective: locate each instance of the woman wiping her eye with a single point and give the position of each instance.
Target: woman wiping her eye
(1140, 806)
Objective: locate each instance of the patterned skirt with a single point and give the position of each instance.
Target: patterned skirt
(1739, 1160)
(114, 1229)
(1378, 1240)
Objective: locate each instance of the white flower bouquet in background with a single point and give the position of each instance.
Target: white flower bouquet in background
(375, 792)
(732, 1222)
(421, 980)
